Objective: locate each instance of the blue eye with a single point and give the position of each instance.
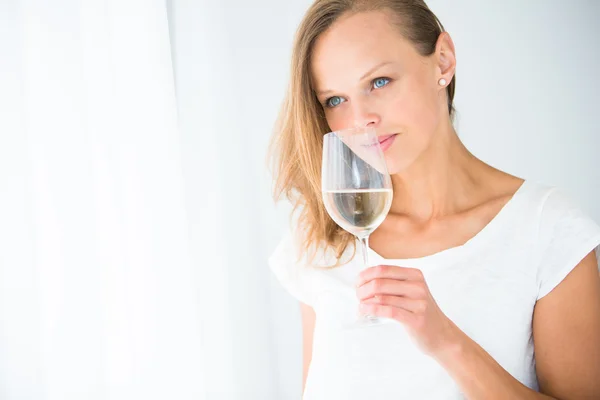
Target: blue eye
(380, 82)
(333, 101)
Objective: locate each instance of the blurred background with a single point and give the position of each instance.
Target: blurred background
(136, 215)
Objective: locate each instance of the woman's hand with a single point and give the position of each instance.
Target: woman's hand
(402, 294)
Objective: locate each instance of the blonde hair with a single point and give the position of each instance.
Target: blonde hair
(297, 144)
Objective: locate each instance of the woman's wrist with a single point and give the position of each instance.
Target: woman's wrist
(452, 345)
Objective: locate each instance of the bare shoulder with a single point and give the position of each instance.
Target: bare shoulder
(566, 330)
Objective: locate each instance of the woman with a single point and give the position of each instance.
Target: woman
(492, 280)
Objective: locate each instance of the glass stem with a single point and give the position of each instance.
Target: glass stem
(365, 249)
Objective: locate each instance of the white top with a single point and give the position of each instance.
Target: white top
(488, 287)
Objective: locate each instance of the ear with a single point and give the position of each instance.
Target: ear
(445, 56)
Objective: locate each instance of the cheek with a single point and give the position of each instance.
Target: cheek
(415, 115)
(338, 119)
(334, 122)
(416, 108)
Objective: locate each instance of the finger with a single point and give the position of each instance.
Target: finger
(394, 287)
(389, 272)
(412, 305)
(385, 311)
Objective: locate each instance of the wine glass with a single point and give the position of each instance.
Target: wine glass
(356, 187)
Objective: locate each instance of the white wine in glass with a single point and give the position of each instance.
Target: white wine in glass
(358, 211)
(356, 187)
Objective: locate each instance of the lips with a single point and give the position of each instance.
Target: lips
(384, 138)
(386, 141)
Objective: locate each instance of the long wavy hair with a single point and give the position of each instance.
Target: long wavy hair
(296, 147)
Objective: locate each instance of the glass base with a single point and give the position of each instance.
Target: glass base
(366, 321)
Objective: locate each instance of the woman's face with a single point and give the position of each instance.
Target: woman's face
(366, 74)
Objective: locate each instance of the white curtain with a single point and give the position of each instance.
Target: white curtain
(231, 61)
(128, 259)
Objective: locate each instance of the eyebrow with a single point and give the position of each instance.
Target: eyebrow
(375, 68)
(369, 72)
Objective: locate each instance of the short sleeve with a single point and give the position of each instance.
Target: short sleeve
(293, 274)
(566, 236)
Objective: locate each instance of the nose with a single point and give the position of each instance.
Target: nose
(363, 116)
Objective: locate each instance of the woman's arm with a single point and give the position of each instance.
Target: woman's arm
(308, 327)
(566, 331)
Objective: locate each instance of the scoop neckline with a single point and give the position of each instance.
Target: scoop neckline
(452, 253)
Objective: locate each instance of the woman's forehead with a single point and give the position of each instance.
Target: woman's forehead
(353, 45)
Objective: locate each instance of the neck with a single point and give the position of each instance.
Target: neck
(441, 182)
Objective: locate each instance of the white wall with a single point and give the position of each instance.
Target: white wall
(527, 97)
(528, 91)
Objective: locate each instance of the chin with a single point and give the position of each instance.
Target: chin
(395, 164)
(401, 158)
